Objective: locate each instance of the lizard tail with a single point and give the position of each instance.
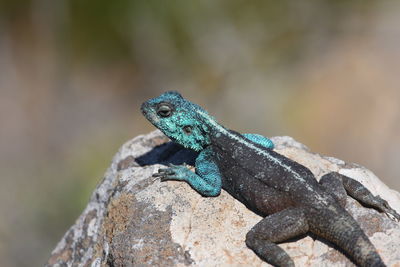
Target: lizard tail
(342, 230)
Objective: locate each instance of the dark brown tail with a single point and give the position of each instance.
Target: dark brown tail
(338, 227)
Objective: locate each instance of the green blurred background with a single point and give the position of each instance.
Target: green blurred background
(73, 74)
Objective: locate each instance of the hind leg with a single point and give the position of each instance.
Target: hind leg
(359, 192)
(278, 227)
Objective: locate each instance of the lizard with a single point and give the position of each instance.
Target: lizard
(286, 193)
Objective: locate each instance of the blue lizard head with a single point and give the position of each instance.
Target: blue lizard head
(178, 119)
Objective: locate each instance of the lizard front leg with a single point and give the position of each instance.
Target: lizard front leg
(206, 180)
(341, 183)
(259, 139)
(278, 227)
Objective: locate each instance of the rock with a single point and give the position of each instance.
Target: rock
(134, 219)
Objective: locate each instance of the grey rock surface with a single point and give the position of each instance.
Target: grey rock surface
(133, 219)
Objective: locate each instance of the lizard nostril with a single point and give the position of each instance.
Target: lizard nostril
(143, 108)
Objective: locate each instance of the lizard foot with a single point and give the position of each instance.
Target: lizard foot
(174, 172)
(384, 206)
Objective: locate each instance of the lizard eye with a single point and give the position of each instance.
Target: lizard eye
(187, 130)
(164, 110)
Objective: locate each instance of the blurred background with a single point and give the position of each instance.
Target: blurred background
(73, 74)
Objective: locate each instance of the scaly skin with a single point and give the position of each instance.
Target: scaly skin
(282, 190)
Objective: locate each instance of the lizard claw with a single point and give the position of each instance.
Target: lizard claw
(173, 172)
(389, 211)
(392, 214)
(164, 174)
(164, 171)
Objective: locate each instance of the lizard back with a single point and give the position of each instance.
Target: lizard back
(264, 166)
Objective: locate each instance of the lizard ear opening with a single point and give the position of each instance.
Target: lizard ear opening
(187, 130)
